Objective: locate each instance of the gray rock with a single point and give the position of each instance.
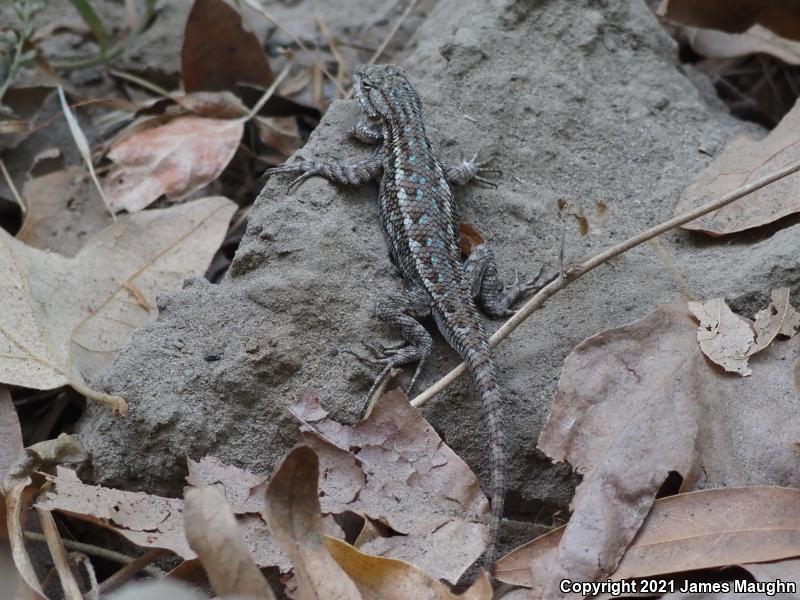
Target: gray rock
(578, 100)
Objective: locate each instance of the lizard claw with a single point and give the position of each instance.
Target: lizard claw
(305, 169)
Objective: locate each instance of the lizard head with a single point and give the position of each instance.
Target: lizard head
(376, 85)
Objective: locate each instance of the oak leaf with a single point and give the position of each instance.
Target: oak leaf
(640, 401)
(62, 319)
(743, 161)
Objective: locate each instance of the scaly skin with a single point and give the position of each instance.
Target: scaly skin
(418, 214)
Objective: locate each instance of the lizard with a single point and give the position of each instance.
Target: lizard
(418, 214)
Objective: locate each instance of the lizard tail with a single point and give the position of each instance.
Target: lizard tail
(481, 367)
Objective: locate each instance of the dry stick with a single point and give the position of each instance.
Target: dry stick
(55, 544)
(389, 37)
(91, 550)
(575, 271)
(129, 570)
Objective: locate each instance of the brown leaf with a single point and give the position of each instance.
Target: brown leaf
(741, 162)
(638, 402)
(400, 473)
(218, 52)
(280, 134)
(173, 159)
(379, 578)
(213, 534)
(469, 238)
(147, 521)
(698, 530)
(244, 491)
(293, 512)
(736, 16)
(64, 210)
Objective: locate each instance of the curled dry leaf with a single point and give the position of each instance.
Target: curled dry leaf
(17, 489)
(218, 52)
(640, 401)
(742, 161)
(145, 520)
(61, 319)
(213, 534)
(293, 512)
(736, 16)
(401, 474)
(729, 340)
(157, 590)
(174, 159)
(379, 578)
(698, 530)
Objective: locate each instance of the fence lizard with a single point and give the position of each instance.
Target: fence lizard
(418, 213)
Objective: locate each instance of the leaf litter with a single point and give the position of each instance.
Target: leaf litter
(639, 402)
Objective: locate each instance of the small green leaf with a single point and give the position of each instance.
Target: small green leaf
(94, 22)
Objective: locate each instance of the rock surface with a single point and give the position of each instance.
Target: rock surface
(578, 100)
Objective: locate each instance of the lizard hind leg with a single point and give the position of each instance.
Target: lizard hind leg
(402, 311)
(494, 296)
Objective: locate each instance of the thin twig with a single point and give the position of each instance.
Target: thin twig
(575, 271)
(12, 187)
(129, 570)
(116, 557)
(395, 28)
(55, 544)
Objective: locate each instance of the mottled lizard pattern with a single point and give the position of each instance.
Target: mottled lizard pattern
(418, 213)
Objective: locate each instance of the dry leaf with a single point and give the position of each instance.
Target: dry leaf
(729, 340)
(638, 402)
(719, 44)
(379, 578)
(736, 16)
(157, 590)
(145, 520)
(293, 512)
(10, 435)
(217, 51)
(743, 161)
(469, 238)
(18, 489)
(64, 209)
(174, 159)
(400, 473)
(698, 530)
(279, 134)
(213, 534)
(61, 319)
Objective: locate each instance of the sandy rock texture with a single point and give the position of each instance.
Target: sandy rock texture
(581, 100)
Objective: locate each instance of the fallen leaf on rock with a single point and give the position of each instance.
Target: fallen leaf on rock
(174, 159)
(64, 209)
(61, 319)
(640, 401)
(146, 520)
(743, 161)
(394, 469)
(214, 535)
(729, 339)
(293, 512)
(735, 16)
(685, 532)
(712, 43)
(379, 578)
(244, 492)
(218, 52)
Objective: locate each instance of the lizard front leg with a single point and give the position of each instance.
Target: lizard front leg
(353, 174)
(461, 173)
(402, 312)
(494, 296)
(367, 132)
